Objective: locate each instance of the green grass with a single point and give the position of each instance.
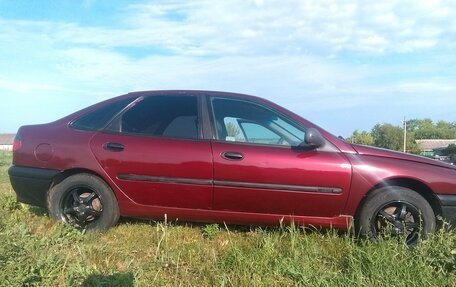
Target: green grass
(36, 251)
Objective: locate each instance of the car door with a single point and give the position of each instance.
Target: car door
(155, 154)
(259, 166)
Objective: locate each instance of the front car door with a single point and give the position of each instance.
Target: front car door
(260, 167)
(154, 152)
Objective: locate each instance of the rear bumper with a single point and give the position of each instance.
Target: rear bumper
(31, 184)
(448, 203)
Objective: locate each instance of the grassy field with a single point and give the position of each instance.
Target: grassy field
(36, 251)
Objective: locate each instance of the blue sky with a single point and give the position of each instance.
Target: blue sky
(344, 65)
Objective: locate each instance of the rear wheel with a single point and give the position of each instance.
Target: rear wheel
(398, 212)
(84, 201)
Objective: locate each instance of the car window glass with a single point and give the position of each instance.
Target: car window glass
(167, 116)
(242, 121)
(98, 118)
(233, 130)
(290, 129)
(258, 134)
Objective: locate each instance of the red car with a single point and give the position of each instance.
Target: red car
(222, 157)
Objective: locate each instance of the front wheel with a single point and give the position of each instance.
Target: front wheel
(84, 201)
(396, 211)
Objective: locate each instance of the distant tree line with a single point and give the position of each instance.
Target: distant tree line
(392, 137)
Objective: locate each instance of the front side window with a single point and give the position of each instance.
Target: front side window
(257, 133)
(242, 121)
(163, 116)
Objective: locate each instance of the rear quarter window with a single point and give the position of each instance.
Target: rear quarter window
(99, 118)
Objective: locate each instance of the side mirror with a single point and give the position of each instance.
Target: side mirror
(313, 138)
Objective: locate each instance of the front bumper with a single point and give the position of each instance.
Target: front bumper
(31, 184)
(448, 203)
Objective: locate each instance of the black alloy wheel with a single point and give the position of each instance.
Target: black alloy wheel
(85, 201)
(399, 219)
(395, 211)
(81, 206)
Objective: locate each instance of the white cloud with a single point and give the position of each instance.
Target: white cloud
(429, 86)
(299, 53)
(267, 27)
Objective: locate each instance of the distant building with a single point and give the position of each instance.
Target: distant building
(433, 148)
(6, 141)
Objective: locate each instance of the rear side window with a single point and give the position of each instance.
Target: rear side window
(97, 119)
(163, 116)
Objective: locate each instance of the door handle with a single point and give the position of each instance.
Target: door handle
(232, 155)
(114, 146)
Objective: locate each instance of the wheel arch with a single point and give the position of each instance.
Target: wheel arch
(417, 186)
(69, 172)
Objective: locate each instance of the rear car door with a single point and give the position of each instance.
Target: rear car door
(259, 166)
(154, 152)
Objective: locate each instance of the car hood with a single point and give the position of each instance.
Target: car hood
(380, 152)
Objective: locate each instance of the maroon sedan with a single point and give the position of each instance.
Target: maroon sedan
(222, 157)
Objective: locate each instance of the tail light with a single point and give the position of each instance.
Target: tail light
(17, 142)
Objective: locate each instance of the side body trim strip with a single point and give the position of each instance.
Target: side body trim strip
(286, 187)
(223, 183)
(138, 177)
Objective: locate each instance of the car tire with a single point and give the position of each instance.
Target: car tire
(84, 201)
(396, 211)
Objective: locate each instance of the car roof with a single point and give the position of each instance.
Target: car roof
(192, 92)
